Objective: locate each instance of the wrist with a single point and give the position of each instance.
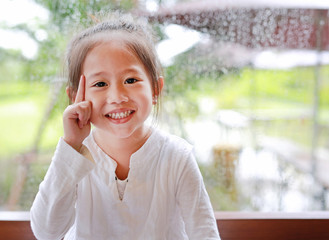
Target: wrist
(76, 146)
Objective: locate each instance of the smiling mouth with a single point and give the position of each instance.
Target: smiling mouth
(119, 115)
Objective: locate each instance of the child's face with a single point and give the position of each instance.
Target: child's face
(119, 89)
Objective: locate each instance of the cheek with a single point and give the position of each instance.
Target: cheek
(95, 103)
(92, 97)
(146, 97)
(148, 103)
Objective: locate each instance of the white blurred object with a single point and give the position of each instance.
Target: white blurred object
(232, 119)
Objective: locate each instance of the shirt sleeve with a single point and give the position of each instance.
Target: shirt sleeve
(194, 202)
(53, 210)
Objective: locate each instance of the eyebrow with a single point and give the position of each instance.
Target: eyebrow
(132, 69)
(96, 74)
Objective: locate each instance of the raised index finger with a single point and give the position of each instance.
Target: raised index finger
(81, 90)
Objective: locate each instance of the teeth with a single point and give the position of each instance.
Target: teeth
(119, 115)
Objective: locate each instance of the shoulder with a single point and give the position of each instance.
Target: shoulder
(172, 144)
(175, 153)
(178, 156)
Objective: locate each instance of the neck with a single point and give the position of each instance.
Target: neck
(118, 148)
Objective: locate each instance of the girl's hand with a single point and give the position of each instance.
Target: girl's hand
(76, 118)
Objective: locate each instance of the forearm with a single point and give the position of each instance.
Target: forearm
(194, 203)
(53, 212)
(51, 218)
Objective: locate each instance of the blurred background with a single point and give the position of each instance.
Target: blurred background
(246, 83)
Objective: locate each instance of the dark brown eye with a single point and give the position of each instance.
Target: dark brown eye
(100, 84)
(130, 81)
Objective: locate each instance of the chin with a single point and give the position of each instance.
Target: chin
(122, 132)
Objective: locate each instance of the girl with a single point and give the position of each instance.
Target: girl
(122, 179)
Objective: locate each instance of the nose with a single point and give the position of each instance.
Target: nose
(117, 94)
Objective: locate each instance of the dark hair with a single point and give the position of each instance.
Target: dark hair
(138, 39)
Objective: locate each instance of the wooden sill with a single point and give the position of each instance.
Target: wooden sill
(271, 215)
(231, 225)
(273, 226)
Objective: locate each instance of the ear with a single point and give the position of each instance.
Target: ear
(71, 94)
(161, 84)
(158, 91)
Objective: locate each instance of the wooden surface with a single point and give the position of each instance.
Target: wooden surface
(262, 229)
(15, 230)
(273, 226)
(232, 226)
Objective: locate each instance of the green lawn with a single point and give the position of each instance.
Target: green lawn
(22, 108)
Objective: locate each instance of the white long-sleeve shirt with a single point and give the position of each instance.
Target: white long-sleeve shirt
(165, 197)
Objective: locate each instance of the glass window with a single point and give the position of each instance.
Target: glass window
(246, 82)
